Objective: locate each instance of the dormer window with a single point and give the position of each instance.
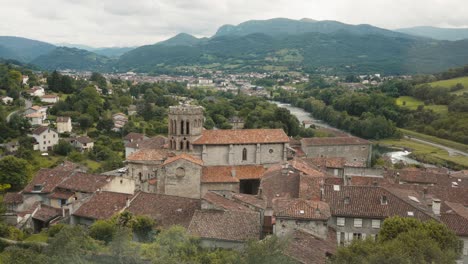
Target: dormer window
(383, 199)
(38, 187)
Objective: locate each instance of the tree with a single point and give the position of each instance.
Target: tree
(267, 251)
(143, 227)
(86, 121)
(63, 148)
(122, 249)
(15, 171)
(103, 230)
(17, 255)
(70, 245)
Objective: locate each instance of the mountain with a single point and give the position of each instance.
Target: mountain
(284, 26)
(112, 52)
(72, 58)
(182, 39)
(452, 34)
(23, 49)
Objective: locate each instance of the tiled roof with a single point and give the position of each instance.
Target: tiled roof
(132, 136)
(40, 130)
(185, 157)
(249, 199)
(241, 136)
(60, 194)
(325, 141)
(305, 167)
(83, 182)
(309, 187)
(103, 205)
(13, 198)
(156, 142)
(301, 209)
(456, 218)
(84, 140)
(223, 203)
(370, 181)
(366, 201)
(327, 162)
(167, 210)
(415, 175)
(148, 155)
(63, 119)
(48, 179)
(309, 249)
(47, 213)
(275, 184)
(226, 225)
(231, 173)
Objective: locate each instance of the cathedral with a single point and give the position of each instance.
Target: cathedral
(194, 160)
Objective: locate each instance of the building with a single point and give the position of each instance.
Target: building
(120, 120)
(36, 91)
(455, 217)
(353, 149)
(6, 100)
(236, 122)
(82, 143)
(50, 98)
(45, 138)
(64, 124)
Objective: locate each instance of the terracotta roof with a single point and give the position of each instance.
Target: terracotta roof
(46, 180)
(41, 130)
(309, 249)
(325, 141)
(84, 140)
(148, 155)
(185, 157)
(47, 213)
(223, 203)
(50, 96)
(165, 209)
(63, 119)
(249, 199)
(103, 205)
(366, 201)
(305, 167)
(241, 136)
(83, 182)
(232, 173)
(456, 218)
(134, 136)
(370, 181)
(225, 225)
(60, 194)
(156, 142)
(309, 187)
(414, 175)
(13, 198)
(301, 209)
(275, 184)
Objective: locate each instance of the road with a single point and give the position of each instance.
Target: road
(27, 104)
(451, 151)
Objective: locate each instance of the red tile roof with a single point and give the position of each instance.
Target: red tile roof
(241, 136)
(309, 187)
(185, 157)
(47, 213)
(305, 167)
(325, 141)
(83, 182)
(223, 203)
(301, 209)
(156, 142)
(41, 130)
(309, 249)
(249, 199)
(167, 210)
(61, 194)
(232, 173)
(103, 205)
(132, 136)
(225, 225)
(48, 179)
(13, 198)
(277, 184)
(148, 155)
(456, 218)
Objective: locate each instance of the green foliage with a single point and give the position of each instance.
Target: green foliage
(70, 245)
(61, 83)
(103, 230)
(99, 80)
(267, 251)
(15, 171)
(143, 227)
(17, 255)
(63, 148)
(122, 249)
(55, 229)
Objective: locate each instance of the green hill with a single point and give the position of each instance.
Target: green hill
(72, 58)
(23, 49)
(437, 33)
(452, 82)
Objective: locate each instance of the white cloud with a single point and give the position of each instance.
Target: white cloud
(138, 22)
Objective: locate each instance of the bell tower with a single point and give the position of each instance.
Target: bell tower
(185, 125)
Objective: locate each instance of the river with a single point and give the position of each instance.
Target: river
(395, 156)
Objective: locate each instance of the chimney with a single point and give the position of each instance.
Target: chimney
(436, 206)
(284, 169)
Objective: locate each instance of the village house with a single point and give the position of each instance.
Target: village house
(36, 115)
(45, 138)
(64, 124)
(50, 98)
(157, 142)
(6, 100)
(120, 120)
(36, 91)
(82, 143)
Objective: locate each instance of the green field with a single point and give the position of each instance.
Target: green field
(453, 82)
(413, 103)
(441, 141)
(427, 154)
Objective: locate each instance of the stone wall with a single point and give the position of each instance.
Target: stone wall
(222, 155)
(352, 153)
(347, 231)
(180, 178)
(284, 227)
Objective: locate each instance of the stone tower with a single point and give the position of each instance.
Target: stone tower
(185, 125)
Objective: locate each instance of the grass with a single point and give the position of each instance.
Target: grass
(40, 237)
(453, 82)
(428, 154)
(40, 161)
(441, 141)
(413, 103)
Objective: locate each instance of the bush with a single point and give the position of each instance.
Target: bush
(103, 230)
(53, 230)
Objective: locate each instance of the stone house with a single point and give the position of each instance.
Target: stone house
(50, 98)
(353, 149)
(64, 124)
(45, 138)
(83, 143)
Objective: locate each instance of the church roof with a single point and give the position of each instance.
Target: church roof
(148, 155)
(232, 173)
(186, 157)
(241, 136)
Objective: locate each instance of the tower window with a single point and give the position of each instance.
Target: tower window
(244, 154)
(181, 127)
(188, 145)
(188, 128)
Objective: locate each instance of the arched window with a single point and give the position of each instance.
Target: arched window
(188, 128)
(140, 176)
(181, 127)
(244, 154)
(181, 145)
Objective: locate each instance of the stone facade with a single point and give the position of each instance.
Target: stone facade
(180, 178)
(348, 228)
(185, 125)
(286, 227)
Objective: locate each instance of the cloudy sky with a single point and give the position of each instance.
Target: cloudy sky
(102, 23)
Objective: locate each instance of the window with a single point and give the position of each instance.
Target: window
(271, 151)
(45, 142)
(44, 136)
(340, 221)
(180, 172)
(375, 223)
(357, 236)
(188, 128)
(465, 249)
(53, 136)
(244, 154)
(357, 222)
(181, 127)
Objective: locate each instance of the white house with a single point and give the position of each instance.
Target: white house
(7, 99)
(36, 119)
(50, 98)
(36, 91)
(83, 143)
(120, 120)
(64, 124)
(45, 138)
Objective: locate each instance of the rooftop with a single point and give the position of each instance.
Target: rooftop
(83, 182)
(231, 173)
(148, 155)
(185, 157)
(241, 136)
(325, 141)
(301, 209)
(103, 205)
